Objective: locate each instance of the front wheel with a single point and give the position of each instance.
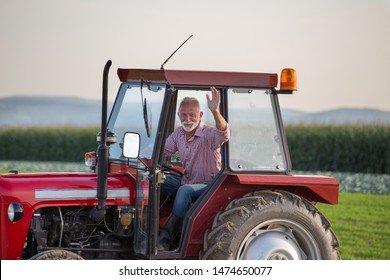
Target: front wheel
(270, 225)
(56, 255)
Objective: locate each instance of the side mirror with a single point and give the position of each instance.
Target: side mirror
(131, 144)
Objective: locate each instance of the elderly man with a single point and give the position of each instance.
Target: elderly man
(199, 150)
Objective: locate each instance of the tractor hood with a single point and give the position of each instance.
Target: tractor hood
(51, 189)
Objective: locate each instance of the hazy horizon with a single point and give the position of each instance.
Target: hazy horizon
(30, 111)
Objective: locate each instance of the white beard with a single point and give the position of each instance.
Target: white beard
(188, 128)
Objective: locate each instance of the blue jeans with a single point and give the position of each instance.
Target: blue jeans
(184, 194)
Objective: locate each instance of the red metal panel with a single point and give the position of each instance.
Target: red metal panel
(24, 187)
(325, 187)
(201, 78)
(141, 74)
(234, 79)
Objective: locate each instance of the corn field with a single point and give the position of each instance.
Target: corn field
(341, 148)
(67, 144)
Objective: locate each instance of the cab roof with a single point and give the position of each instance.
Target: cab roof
(200, 78)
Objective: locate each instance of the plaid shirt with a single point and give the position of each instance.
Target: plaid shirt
(200, 155)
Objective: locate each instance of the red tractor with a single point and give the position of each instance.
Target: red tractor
(253, 209)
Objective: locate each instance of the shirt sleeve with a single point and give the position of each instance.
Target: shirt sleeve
(220, 137)
(170, 144)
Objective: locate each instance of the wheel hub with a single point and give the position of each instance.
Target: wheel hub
(276, 244)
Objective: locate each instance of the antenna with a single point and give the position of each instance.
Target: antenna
(162, 65)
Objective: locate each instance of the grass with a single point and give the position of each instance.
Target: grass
(361, 223)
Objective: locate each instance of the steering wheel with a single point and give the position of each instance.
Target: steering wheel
(175, 172)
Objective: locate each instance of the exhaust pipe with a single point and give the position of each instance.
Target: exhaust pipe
(103, 149)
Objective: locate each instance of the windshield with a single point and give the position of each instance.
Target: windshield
(136, 109)
(255, 142)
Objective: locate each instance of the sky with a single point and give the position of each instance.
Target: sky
(339, 48)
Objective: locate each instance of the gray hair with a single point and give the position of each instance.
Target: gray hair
(187, 100)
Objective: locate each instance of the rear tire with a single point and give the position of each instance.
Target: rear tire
(270, 225)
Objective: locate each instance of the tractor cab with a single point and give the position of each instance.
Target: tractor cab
(145, 113)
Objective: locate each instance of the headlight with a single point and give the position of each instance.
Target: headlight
(15, 211)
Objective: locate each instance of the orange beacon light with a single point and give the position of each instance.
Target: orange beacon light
(288, 80)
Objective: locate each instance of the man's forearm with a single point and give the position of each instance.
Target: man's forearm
(220, 121)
